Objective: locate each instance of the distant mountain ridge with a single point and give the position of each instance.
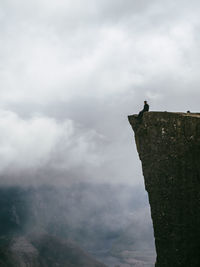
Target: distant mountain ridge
(43, 251)
(93, 216)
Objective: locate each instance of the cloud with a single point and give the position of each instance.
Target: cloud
(26, 143)
(90, 64)
(41, 143)
(59, 51)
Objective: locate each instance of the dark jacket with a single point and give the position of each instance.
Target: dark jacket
(146, 107)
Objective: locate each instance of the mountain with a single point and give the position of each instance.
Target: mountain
(43, 251)
(78, 213)
(169, 148)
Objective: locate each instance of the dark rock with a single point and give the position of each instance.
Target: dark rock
(169, 148)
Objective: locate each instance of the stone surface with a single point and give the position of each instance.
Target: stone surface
(169, 149)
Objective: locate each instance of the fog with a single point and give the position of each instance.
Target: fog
(103, 219)
(71, 72)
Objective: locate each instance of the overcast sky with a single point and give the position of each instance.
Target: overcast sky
(72, 70)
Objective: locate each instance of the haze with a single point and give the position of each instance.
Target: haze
(71, 72)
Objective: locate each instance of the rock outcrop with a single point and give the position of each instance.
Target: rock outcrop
(169, 149)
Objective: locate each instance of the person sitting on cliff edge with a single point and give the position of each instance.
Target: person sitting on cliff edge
(145, 109)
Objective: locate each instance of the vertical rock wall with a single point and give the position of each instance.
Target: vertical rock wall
(169, 149)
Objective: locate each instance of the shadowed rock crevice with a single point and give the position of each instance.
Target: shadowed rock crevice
(169, 149)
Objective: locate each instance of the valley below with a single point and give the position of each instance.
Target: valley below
(80, 225)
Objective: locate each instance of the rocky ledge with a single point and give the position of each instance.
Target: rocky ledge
(169, 149)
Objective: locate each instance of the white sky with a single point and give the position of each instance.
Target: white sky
(70, 73)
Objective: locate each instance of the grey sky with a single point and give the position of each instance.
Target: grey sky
(71, 72)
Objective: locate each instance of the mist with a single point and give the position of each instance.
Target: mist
(70, 73)
(103, 226)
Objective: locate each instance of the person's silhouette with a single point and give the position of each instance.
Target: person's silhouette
(145, 109)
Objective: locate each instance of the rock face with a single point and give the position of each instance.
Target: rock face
(169, 149)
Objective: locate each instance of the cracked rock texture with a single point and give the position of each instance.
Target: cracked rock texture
(169, 149)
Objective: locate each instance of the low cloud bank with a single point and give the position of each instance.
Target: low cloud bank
(43, 144)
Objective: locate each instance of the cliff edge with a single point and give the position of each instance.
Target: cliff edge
(169, 149)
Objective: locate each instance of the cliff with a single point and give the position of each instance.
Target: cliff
(169, 149)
